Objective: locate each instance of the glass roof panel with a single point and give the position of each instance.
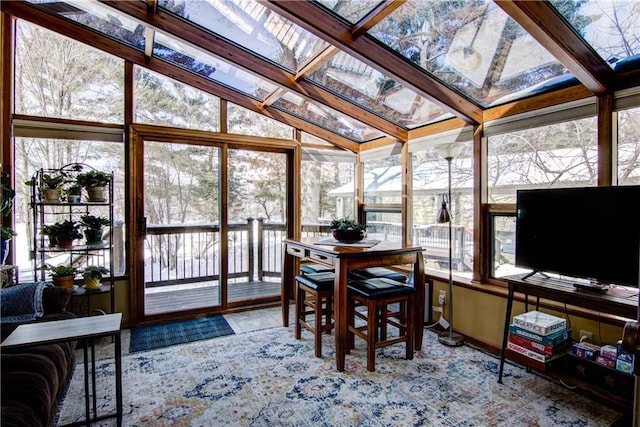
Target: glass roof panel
(99, 18)
(472, 46)
(612, 28)
(252, 26)
(361, 84)
(352, 11)
(326, 117)
(206, 65)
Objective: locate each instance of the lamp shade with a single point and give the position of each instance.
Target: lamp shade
(443, 214)
(449, 151)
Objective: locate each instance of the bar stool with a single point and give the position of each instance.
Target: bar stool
(315, 268)
(373, 272)
(319, 286)
(377, 294)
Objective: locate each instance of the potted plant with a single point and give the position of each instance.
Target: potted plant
(51, 183)
(92, 275)
(347, 230)
(94, 182)
(65, 232)
(93, 226)
(62, 275)
(7, 204)
(73, 193)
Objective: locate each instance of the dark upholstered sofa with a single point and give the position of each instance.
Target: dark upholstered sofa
(34, 378)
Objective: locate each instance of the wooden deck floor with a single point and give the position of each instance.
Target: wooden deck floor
(188, 297)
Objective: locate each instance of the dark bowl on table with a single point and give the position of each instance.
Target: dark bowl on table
(349, 236)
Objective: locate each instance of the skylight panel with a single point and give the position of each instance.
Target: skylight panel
(211, 67)
(472, 46)
(101, 19)
(354, 80)
(612, 28)
(252, 26)
(352, 11)
(326, 118)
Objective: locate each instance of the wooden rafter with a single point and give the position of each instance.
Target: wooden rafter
(374, 16)
(66, 28)
(317, 62)
(540, 20)
(322, 24)
(253, 64)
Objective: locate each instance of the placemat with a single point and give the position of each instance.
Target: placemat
(357, 244)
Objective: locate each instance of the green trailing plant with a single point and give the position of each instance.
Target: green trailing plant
(92, 179)
(94, 272)
(8, 194)
(74, 189)
(92, 222)
(61, 270)
(346, 224)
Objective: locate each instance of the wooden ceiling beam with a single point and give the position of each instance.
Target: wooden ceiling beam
(66, 28)
(251, 63)
(325, 26)
(540, 19)
(374, 16)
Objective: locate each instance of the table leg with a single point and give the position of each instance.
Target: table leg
(87, 411)
(285, 284)
(118, 360)
(419, 283)
(340, 312)
(505, 334)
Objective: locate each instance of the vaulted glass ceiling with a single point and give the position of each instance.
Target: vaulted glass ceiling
(357, 71)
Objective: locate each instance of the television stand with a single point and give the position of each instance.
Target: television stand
(591, 287)
(526, 276)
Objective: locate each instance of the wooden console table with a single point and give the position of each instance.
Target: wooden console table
(564, 292)
(343, 259)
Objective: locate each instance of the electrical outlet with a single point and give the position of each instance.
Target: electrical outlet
(442, 298)
(586, 336)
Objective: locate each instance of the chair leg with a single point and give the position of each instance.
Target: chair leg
(317, 336)
(300, 295)
(351, 337)
(409, 330)
(372, 333)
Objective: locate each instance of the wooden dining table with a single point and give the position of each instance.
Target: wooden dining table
(345, 257)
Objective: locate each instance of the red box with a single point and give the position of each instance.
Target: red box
(609, 351)
(605, 361)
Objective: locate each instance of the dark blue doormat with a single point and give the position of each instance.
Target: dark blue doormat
(150, 337)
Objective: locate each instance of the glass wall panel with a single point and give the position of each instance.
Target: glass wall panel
(629, 147)
(352, 11)
(245, 122)
(383, 180)
(162, 101)
(559, 155)
(61, 78)
(430, 190)
(32, 154)
(327, 189)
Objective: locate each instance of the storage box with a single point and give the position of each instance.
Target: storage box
(624, 366)
(611, 380)
(585, 350)
(605, 361)
(609, 351)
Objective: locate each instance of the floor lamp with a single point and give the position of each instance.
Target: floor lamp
(449, 151)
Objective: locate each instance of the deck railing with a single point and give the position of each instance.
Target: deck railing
(190, 253)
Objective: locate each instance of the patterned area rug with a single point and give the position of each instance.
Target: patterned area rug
(267, 378)
(157, 336)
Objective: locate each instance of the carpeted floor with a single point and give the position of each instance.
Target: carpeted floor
(267, 378)
(157, 336)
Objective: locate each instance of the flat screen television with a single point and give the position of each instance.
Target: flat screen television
(589, 233)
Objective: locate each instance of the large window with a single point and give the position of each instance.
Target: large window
(629, 147)
(557, 155)
(60, 78)
(430, 191)
(165, 102)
